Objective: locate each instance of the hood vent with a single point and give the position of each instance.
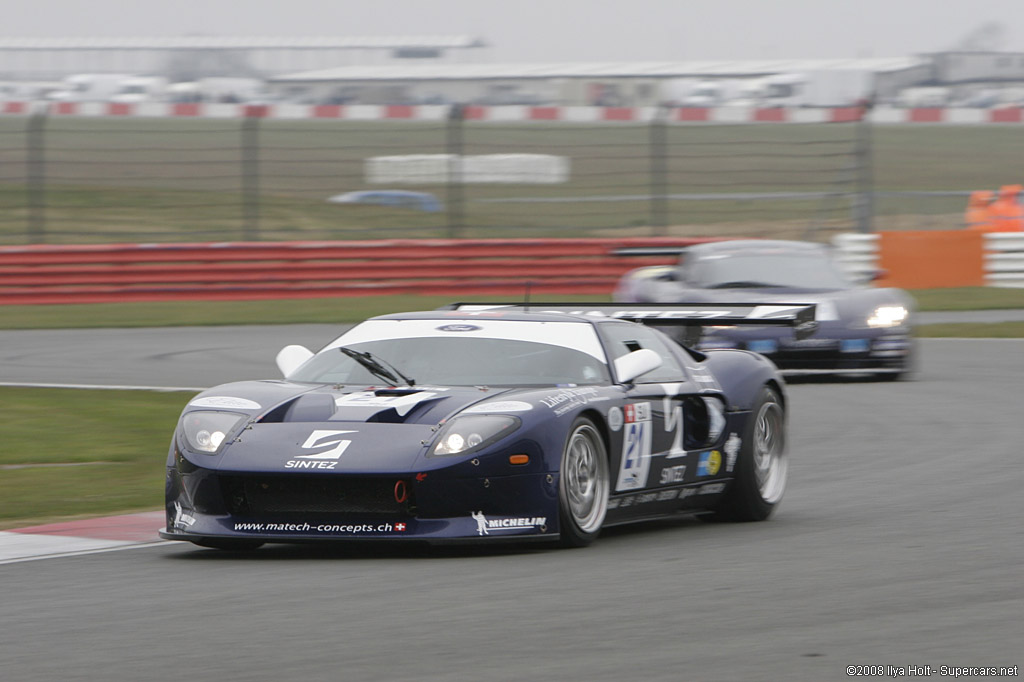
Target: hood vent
(308, 407)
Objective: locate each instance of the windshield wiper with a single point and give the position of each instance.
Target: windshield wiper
(377, 367)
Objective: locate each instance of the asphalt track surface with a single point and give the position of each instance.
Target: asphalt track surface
(899, 543)
(200, 357)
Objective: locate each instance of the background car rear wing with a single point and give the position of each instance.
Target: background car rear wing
(650, 250)
(799, 316)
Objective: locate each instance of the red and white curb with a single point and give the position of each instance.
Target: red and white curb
(522, 113)
(86, 536)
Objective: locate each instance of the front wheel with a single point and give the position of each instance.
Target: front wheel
(582, 485)
(762, 464)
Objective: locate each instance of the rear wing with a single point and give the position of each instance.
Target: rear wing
(799, 316)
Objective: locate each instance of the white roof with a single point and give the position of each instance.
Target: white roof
(702, 69)
(581, 337)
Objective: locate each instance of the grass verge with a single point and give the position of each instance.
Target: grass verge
(348, 310)
(67, 453)
(962, 330)
(206, 313)
(968, 298)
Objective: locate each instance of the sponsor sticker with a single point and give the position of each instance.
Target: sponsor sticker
(459, 328)
(325, 459)
(732, 450)
(615, 419)
(711, 489)
(638, 412)
(499, 406)
(332, 528)
(644, 498)
(182, 519)
(709, 463)
(486, 526)
(670, 475)
(636, 447)
(226, 402)
(703, 375)
(569, 398)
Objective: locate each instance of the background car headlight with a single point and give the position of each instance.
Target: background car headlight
(208, 431)
(888, 316)
(467, 433)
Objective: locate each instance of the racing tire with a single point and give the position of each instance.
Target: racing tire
(229, 544)
(583, 485)
(761, 465)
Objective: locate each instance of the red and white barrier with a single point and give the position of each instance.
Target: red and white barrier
(519, 114)
(110, 273)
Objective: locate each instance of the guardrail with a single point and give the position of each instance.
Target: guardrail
(50, 274)
(1000, 256)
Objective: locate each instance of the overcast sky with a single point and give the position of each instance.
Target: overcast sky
(555, 30)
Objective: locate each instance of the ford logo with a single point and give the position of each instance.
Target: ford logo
(458, 328)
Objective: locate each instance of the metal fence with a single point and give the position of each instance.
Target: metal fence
(67, 179)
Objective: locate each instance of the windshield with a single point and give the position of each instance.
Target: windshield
(767, 271)
(461, 351)
(458, 361)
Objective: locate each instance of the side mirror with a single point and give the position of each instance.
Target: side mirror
(291, 357)
(630, 366)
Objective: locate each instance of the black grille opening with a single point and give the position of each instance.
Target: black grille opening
(312, 494)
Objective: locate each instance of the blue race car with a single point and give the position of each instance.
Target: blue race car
(486, 422)
(860, 328)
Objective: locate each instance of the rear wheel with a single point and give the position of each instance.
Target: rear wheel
(582, 485)
(762, 465)
(230, 544)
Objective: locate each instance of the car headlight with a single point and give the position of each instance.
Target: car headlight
(888, 316)
(467, 433)
(208, 431)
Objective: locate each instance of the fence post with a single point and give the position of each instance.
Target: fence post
(251, 172)
(35, 176)
(659, 173)
(453, 147)
(864, 206)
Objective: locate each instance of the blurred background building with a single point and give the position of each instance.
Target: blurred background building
(451, 69)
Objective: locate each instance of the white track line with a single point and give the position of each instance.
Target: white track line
(19, 547)
(94, 387)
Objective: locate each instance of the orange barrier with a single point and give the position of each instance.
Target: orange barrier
(47, 274)
(932, 259)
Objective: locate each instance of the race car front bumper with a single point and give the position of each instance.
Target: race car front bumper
(204, 504)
